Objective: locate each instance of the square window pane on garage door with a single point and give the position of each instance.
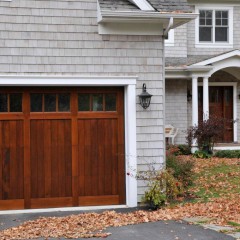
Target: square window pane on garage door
(3, 102)
(50, 102)
(83, 102)
(97, 102)
(15, 102)
(64, 102)
(36, 102)
(110, 102)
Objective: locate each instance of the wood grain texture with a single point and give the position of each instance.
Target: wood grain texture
(62, 159)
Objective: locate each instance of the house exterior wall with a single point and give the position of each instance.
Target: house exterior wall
(176, 107)
(179, 49)
(61, 38)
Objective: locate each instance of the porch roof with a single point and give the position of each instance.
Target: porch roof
(191, 60)
(202, 66)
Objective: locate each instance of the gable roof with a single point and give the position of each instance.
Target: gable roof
(158, 5)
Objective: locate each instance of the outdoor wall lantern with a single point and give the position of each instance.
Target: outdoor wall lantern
(145, 97)
(189, 96)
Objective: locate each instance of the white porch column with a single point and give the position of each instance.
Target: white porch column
(194, 101)
(205, 99)
(194, 109)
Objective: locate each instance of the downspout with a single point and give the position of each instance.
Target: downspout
(165, 34)
(169, 27)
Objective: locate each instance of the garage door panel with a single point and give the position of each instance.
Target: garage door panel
(65, 155)
(50, 158)
(98, 158)
(11, 160)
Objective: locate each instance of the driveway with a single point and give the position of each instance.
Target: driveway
(162, 230)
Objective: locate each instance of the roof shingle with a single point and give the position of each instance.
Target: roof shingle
(159, 5)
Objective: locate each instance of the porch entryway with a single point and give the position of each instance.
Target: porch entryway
(220, 105)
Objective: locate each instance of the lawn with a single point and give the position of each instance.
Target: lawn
(216, 191)
(217, 181)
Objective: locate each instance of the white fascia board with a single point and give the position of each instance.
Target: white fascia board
(218, 58)
(142, 4)
(59, 80)
(187, 72)
(145, 17)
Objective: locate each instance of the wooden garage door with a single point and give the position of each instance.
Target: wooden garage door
(61, 148)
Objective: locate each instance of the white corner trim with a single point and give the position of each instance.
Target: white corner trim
(66, 209)
(129, 83)
(143, 5)
(131, 144)
(235, 99)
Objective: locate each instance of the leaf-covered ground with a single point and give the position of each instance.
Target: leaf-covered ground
(216, 187)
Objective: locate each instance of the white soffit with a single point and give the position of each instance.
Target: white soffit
(143, 5)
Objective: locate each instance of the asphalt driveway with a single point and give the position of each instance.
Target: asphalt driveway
(162, 230)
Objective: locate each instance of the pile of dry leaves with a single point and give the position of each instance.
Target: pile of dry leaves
(222, 210)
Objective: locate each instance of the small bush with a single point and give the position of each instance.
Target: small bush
(202, 154)
(161, 189)
(207, 132)
(172, 150)
(228, 154)
(184, 149)
(182, 169)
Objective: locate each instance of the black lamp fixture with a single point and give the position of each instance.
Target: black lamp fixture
(145, 97)
(189, 96)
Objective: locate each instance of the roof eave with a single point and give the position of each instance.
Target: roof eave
(107, 16)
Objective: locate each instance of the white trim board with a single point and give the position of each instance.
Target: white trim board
(143, 5)
(129, 84)
(67, 209)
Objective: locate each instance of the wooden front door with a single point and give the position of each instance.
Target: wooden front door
(220, 105)
(61, 148)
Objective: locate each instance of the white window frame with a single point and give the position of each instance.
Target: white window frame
(170, 41)
(213, 44)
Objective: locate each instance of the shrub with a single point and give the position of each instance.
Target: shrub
(228, 154)
(162, 188)
(182, 169)
(206, 133)
(201, 154)
(184, 149)
(172, 150)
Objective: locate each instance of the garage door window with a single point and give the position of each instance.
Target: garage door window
(50, 102)
(97, 102)
(11, 102)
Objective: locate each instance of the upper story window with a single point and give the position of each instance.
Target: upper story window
(214, 27)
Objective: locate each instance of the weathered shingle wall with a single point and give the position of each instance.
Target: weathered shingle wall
(61, 38)
(180, 43)
(176, 107)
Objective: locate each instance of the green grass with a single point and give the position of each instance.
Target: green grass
(216, 181)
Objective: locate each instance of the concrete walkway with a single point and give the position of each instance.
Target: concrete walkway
(169, 230)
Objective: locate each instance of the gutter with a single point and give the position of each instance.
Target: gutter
(143, 16)
(169, 27)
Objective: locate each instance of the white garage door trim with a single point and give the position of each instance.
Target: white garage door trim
(129, 84)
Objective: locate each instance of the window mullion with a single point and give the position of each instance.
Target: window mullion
(214, 25)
